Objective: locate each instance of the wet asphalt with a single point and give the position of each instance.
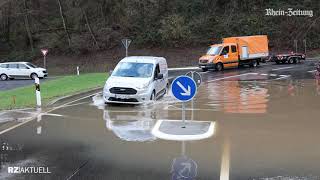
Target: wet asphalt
(267, 126)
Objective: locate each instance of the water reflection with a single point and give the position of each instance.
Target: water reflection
(183, 167)
(237, 96)
(130, 125)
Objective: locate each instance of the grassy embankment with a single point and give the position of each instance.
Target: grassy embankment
(67, 85)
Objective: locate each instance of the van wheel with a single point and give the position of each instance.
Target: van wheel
(33, 75)
(219, 67)
(204, 69)
(3, 77)
(153, 96)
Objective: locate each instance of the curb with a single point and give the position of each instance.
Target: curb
(72, 96)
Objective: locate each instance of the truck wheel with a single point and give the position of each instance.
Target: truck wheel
(254, 63)
(204, 69)
(290, 61)
(219, 66)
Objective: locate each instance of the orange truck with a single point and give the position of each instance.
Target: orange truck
(235, 52)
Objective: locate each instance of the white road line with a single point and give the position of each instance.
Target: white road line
(281, 68)
(273, 75)
(31, 119)
(312, 71)
(183, 68)
(244, 74)
(264, 74)
(282, 77)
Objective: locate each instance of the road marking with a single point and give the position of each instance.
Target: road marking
(244, 74)
(312, 71)
(281, 68)
(282, 77)
(273, 75)
(183, 68)
(33, 118)
(264, 74)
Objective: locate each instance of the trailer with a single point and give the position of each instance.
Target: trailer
(291, 58)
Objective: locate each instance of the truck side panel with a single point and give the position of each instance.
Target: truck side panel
(256, 46)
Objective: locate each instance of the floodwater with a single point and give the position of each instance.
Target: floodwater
(265, 129)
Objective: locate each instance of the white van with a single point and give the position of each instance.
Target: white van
(21, 70)
(137, 79)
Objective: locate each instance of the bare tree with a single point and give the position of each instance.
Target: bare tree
(64, 22)
(27, 25)
(89, 26)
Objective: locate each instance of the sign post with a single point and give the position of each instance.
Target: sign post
(184, 89)
(44, 53)
(38, 95)
(305, 46)
(126, 43)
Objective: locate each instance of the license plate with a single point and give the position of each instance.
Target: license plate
(122, 96)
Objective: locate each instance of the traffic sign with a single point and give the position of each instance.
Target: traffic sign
(126, 43)
(184, 88)
(44, 52)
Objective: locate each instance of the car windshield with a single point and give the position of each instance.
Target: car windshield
(131, 69)
(32, 65)
(214, 50)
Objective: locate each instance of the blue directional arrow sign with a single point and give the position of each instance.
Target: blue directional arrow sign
(184, 88)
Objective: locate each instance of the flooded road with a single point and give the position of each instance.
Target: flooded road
(267, 127)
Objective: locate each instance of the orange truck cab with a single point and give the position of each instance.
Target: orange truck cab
(235, 52)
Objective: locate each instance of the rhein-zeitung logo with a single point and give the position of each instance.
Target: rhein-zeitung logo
(288, 12)
(28, 170)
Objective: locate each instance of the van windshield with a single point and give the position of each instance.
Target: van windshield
(214, 50)
(131, 69)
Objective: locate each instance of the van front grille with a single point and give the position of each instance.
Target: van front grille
(123, 100)
(203, 61)
(122, 90)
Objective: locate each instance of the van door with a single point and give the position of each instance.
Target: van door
(23, 70)
(12, 70)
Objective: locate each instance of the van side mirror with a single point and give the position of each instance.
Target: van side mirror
(160, 76)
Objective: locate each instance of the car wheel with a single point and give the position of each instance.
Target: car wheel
(3, 77)
(33, 75)
(204, 69)
(219, 67)
(278, 62)
(153, 96)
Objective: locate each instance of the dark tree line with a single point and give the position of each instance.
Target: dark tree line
(79, 26)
